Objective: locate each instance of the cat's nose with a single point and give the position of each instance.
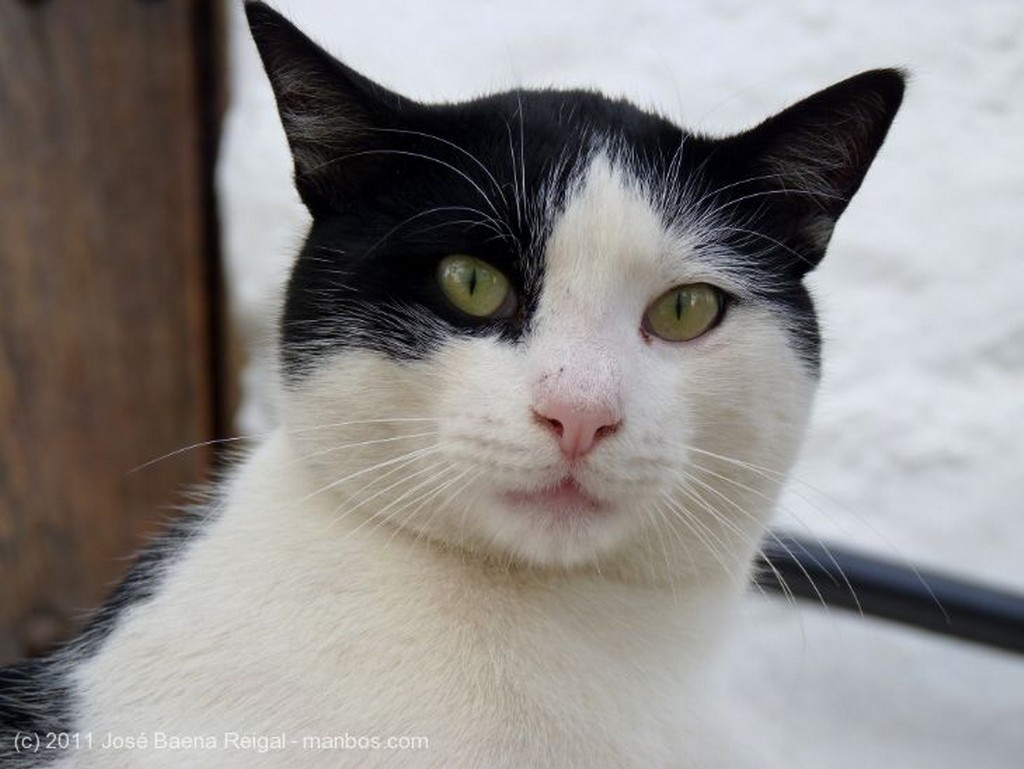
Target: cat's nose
(577, 427)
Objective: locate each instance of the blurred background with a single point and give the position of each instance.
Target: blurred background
(110, 292)
(147, 222)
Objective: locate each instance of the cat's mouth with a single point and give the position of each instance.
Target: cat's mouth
(565, 499)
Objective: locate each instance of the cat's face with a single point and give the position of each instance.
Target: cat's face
(552, 327)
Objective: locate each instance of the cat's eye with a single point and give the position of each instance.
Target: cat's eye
(475, 287)
(684, 312)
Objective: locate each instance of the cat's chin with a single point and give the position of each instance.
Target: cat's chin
(559, 525)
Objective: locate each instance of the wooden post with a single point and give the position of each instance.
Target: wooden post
(108, 293)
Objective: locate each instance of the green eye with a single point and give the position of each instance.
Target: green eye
(684, 312)
(475, 287)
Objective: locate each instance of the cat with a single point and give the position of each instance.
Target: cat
(545, 360)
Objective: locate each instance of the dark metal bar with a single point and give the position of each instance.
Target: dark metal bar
(924, 599)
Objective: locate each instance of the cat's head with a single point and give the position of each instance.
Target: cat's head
(550, 326)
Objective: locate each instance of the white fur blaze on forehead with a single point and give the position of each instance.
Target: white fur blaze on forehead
(603, 260)
(607, 241)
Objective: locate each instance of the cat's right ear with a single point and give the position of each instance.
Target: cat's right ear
(802, 166)
(329, 111)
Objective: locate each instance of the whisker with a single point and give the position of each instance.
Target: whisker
(454, 146)
(515, 176)
(358, 444)
(767, 498)
(522, 146)
(740, 509)
(696, 527)
(190, 447)
(259, 436)
(664, 552)
(429, 158)
(407, 500)
(495, 224)
(722, 188)
(437, 469)
(412, 455)
(446, 486)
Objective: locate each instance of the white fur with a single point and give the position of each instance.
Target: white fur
(327, 598)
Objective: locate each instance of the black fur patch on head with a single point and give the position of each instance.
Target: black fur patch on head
(395, 186)
(483, 178)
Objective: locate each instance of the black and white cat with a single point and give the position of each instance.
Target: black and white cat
(545, 361)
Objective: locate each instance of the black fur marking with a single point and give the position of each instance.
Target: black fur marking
(394, 186)
(35, 701)
(365, 277)
(143, 579)
(35, 696)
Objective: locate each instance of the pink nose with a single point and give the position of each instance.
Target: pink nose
(577, 428)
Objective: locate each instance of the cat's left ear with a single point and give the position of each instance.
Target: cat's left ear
(802, 166)
(331, 114)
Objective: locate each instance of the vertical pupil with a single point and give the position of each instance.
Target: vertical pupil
(679, 305)
(472, 282)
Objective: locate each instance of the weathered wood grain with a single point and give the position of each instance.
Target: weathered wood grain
(106, 318)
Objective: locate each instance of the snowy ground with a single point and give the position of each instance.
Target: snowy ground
(917, 448)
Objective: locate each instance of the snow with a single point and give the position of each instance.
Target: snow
(916, 451)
